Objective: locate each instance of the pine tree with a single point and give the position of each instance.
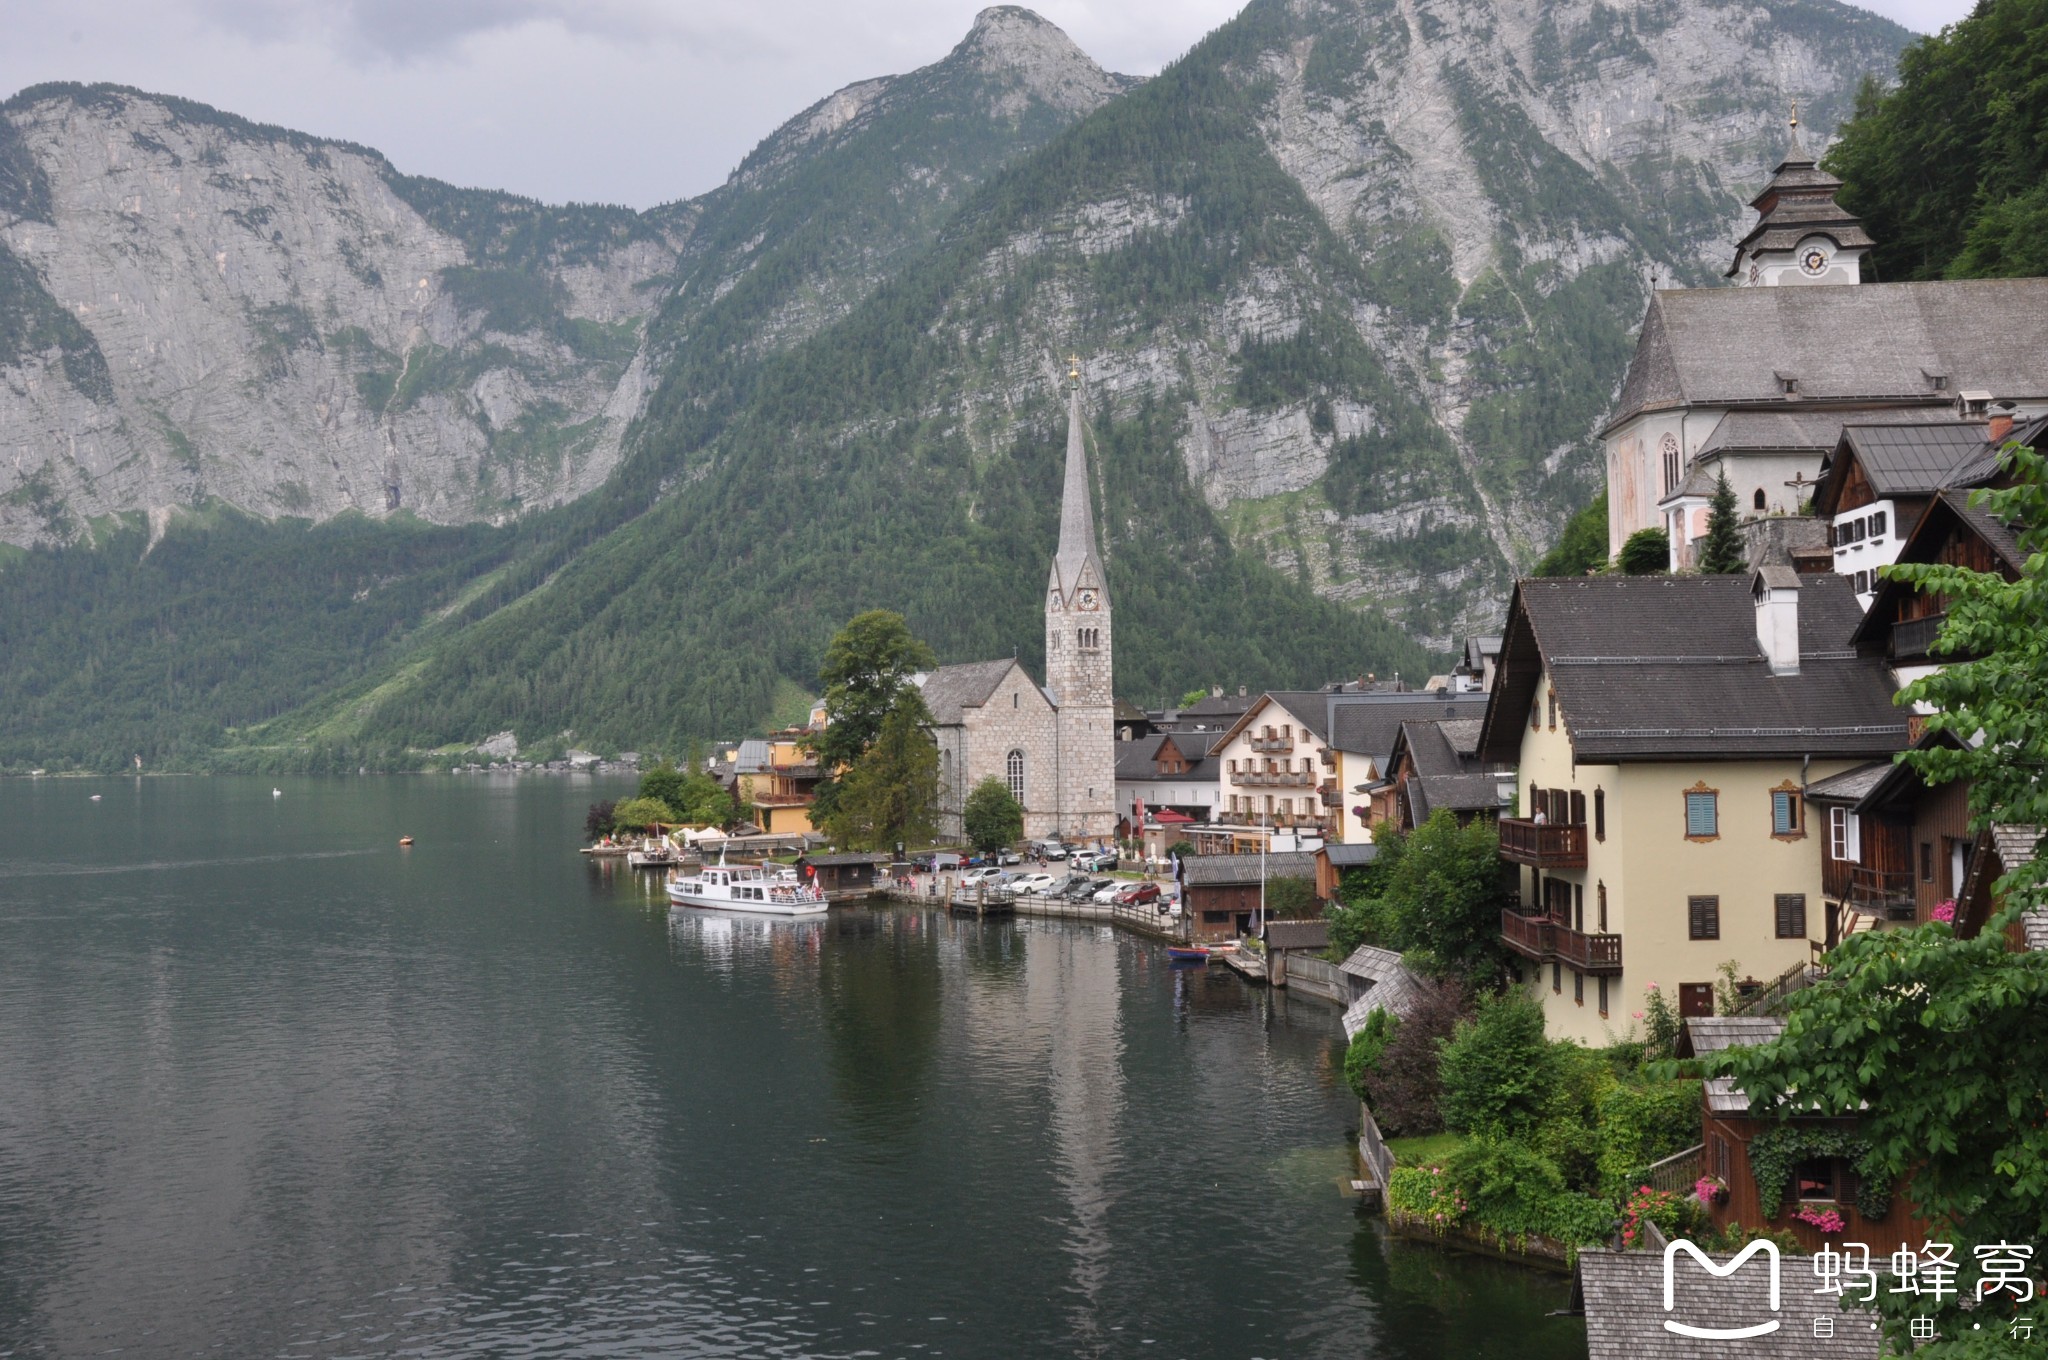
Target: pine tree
(891, 794)
(1721, 551)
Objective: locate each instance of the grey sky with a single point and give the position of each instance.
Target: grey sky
(633, 101)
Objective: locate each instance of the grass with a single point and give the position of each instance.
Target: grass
(1426, 1149)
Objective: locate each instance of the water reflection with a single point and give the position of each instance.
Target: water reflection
(881, 1013)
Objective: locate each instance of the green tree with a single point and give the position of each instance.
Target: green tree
(1582, 547)
(1399, 1073)
(1721, 550)
(992, 818)
(892, 792)
(663, 781)
(639, 814)
(1291, 899)
(1496, 1070)
(1919, 1032)
(1647, 552)
(1193, 697)
(867, 672)
(1949, 167)
(1444, 895)
(702, 801)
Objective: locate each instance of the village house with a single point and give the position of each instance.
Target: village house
(1164, 772)
(1436, 766)
(1664, 731)
(1893, 846)
(1758, 380)
(1877, 483)
(1274, 765)
(1364, 730)
(779, 779)
(1225, 893)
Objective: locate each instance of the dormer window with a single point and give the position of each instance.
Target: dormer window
(1936, 382)
(1788, 383)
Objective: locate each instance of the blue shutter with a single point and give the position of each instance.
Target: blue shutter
(1699, 815)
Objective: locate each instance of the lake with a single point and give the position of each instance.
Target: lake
(272, 1085)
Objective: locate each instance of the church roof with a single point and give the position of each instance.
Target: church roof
(950, 690)
(1076, 560)
(1870, 342)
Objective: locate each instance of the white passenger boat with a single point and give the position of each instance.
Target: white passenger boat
(743, 887)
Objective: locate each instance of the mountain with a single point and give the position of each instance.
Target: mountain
(1354, 282)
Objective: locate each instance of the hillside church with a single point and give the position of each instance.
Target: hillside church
(1052, 744)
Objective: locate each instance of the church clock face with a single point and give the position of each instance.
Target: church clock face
(1813, 261)
(1088, 599)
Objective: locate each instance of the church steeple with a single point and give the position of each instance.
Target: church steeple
(1802, 235)
(1076, 565)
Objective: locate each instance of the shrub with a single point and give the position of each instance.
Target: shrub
(1497, 1070)
(1641, 1123)
(1580, 1080)
(1646, 553)
(599, 820)
(1367, 1047)
(1516, 1193)
(1425, 1193)
(1405, 1083)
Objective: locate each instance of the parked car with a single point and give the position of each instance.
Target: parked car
(1097, 861)
(1106, 894)
(1034, 883)
(1135, 893)
(1082, 889)
(1008, 857)
(1053, 851)
(988, 873)
(946, 862)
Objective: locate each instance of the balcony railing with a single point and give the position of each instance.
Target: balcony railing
(1912, 637)
(1273, 744)
(1548, 941)
(1860, 885)
(1273, 778)
(1543, 845)
(1332, 796)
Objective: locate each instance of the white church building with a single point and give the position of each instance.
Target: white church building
(1053, 744)
(1758, 380)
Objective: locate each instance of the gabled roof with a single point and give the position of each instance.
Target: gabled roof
(753, 758)
(1447, 771)
(1850, 786)
(1369, 725)
(1669, 668)
(1139, 758)
(1306, 708)
(1390, 986)
(1982, 468)
(1623, 1294)
(1699, 1035)
(950, 690)
(1898, 459)
(1349, 854)
(1224, 871)
(1874, 342)
(1311, 934)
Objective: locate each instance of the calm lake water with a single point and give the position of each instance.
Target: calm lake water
(270, 1085)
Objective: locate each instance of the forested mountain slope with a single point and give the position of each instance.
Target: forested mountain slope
(1354, 282)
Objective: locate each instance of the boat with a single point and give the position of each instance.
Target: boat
(1187, 953)
(746, 887)
(277, 793)
(405, 840)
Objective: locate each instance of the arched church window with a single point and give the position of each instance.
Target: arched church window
(1013, 770)
(1758, 500)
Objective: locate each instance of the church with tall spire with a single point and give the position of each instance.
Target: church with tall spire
(1052, 745)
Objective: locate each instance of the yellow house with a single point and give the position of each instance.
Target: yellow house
(780, 779)
(1664, 730)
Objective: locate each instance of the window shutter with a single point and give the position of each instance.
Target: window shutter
(1578, 808)
(1791, 916)
(1700, 819)
(1705, 917)
(1599, 814)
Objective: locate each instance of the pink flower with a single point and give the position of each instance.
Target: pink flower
(1651, 988)
(1638, 1014)
(1944, 911)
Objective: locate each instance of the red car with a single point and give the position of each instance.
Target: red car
(1136, 893)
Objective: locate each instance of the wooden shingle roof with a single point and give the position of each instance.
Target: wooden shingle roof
(1623, 1294)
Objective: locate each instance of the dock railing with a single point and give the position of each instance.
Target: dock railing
(1373, 1151)
(1677, 1173)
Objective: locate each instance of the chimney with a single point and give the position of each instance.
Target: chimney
(1775, 590)
(2001, 423)
(1240, 691)
(1215, 691)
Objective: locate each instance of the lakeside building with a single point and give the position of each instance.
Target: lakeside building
(1225, 892)
(1274, 763)
(780, 779)
(1365, 729)
(1166, 772)
(1053, 745)
(1759, 380)
(1664, 730)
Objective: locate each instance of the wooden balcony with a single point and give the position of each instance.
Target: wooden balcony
(1274, 745)
(1912, 638)
(1860, 885)
(1547, 941)
(1542, 846)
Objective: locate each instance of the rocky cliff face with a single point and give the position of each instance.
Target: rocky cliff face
(279, 323)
